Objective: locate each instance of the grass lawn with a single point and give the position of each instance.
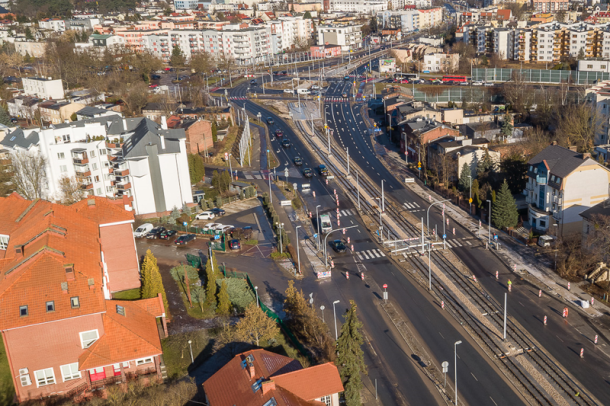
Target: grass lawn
(176, 352)
(131, 294)
(7, 391)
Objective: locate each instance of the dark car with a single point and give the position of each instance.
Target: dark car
(286, 143)
(323, 170)
(270, 121)
(279, 133)
(235, 244)
(284, 73)
(298, 161)
(155, 232)
(183, 239)
(308, 173)
(344, 95)
(155, 77)
(253, 82)
(346, 77)
(167, 234)
(338, 246)
(218, 212)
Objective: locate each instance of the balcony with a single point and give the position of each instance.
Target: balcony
(123, 186)
(121, 172)
(557, 215)
(79, 157)
(114, 144)
(87, 186)
(83, 174)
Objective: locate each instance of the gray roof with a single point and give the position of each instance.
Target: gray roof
(454, 143)
(560, 161)
(91, 111)
(600, 209)
(18, 139)
(147, 132)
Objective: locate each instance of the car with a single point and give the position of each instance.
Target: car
(286, 143)
(307, 172)
(184, 239)
(477, 83)
(464, 84)
(225, 229)
(155, 232)
(218, 212)
(284, 73)
(298, 161)
(346, 78)
(155, 77)
(339, 246)
(142, 230)
(205, 215)
(167, 234)
(489, 84)
(314, 93)
(315, 87)
(270, 121)
(211, 226)
(279, 133)
(323, 170)
(153, 86)
(344, 95)
(253, 82)
(234, 244)
(404, 81)
(288, 91)
(14, 120)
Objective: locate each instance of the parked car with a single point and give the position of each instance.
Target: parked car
(315, 87)
(211, 226)
(286, 143)
(253, 82)
(308, 173)
(477, 83)
(234, 245)
(270, 121)
(279, 133)
(298, 161)
(225, 229)
(346, 77)
(167, 234)
(323, 170)
(143, 230)
(344, 95)
(205, 215)
(339, 246)
(184, 239)
(546, 241)
(155, 233)
(155, 77)
(218, 212)
(288, 91)
(489, 84)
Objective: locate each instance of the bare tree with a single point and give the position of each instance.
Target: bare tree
(578, 124)
(135, 97)
(29, 174)
(70, 189)
(517, 94)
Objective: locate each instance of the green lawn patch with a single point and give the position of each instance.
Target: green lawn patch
(131, 294)
(7, 390)
(176, 352)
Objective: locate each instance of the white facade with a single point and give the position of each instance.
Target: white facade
(43, 88)
(358, 6)
(56, 25)
(594, 66)
(185, 4)
(443, 63)
(295, 30)
(503, 43)
(430, 17)
(347, 36)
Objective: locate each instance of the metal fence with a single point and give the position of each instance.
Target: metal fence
(457, 94)
(539, 75)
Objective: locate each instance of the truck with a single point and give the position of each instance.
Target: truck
(325, 225)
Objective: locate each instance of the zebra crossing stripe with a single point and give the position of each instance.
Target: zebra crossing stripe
(458, 243)
(468, 242)
(381, 252)
(247, 176)
(373, 252)
(364, 253)
(344, 213)
(258, 176)
(416, 205)
(448, 243)
(359, 256)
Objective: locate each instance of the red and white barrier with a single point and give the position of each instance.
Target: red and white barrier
(352, 247)
(314, 195)
(496, 275)
(474, 278)
(346, 275)
(338, 223)
(565, 313)
(568, 285)
(348, 240)
(442, 305)
(592, 301)
(545, 320)
(344, 231)
(595, 340)
(540, 293)
(362, 275)
(582, 353)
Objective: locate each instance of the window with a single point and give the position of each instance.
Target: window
(327, 400)
(120, 310)
(70, 371)
(102, 152)
(94, 166)
(602, 66)
(63, 168)
(44, 377)
(74, 302)
(61, 155)
(92, 154)
(98, 191)
(87, 338)
(97, 178)
(23, 311)
(3, 241)
(143, 361)
(589, 66)
(50, 306)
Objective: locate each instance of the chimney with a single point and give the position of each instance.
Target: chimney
(69, 268)
(19, 252)
(162, 137)
(586, 156)
(268, 386)
(251, 370)
(91, 203)
(573, 148)
(124, 125)
(554, 143)
(163, 122)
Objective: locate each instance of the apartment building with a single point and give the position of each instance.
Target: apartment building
(31, 48)
(562, 183)
(441, 63)
(550, 6)
(295, 30)
(370, 7)
(44, 88)
(430, 17)
(62, 332)
(404, 20)
(53, 24)
(136, 158)
(346, 36)
(503, 43)
(58, 112)
(418, 132)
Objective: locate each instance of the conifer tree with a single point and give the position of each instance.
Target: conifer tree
(224, 302)
(152, 284)
(210, 287)
(507, 127)
(4, 117)
(256, 326)
(350, 359)
(504, 209)
(464, 183)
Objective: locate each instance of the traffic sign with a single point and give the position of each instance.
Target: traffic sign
(226, 156)
(185, 224)
(315, 236)
(385, 285)
(470, 200)
(444, 236)
(419, 164)
(496, 237)
(445, 366)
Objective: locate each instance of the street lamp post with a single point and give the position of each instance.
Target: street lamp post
(279, 227)
(470, 194)
(230, 167)
(191, 351)
(298, 250)
(428, 212)
(382, 197)
(256, 291)
(335, 314)
(489, 226)
(318, 226)
(455, 368)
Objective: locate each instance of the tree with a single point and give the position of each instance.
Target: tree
(71, 189)
(504, 209)
(135, 97)
(464, 183)
(196, 168)
(152, 284)
(28, 34)
(514, 169)
(214, 132)
(507, 127)
(211, 274)
(560, 16)
(4, 117)
(485, 165)
(373, 24)
(351, 357)
(578, 124)
(256, 326)
(202, 62)
(307, 15)
(475, 193)
(224, 302)
(177, 60)
(29, 174)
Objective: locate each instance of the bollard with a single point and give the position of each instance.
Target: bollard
(592, 301)
(346, 275)
(352, 247)
(595, 340)
(327, 181)
(496, 275)
(348, 240)
(515, 267)
(568, 285)
(314, 195)
(453, 230)
(337, 210)
(545, 320)
(337, 202)
(362, 275)
(582, 353)
(344, 231)
(474, 278)
(442, 305)
(540, 293)
(335, 191)
(310, 214)
(565, 313)
(338, 222)
(332, 264)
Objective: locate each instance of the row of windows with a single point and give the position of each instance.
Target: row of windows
(50, 306)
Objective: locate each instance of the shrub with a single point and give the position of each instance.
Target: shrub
(296, 203)
(240, 294)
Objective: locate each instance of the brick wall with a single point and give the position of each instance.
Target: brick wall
(199, 137)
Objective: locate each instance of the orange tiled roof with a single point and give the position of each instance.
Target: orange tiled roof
(103, 210)
(125, 338)
(313, 382)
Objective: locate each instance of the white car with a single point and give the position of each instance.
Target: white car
(205, 215)
(489, 84)
(288, 91)
(315, 87)
(225, 229)
(211, 226)
(477, 83)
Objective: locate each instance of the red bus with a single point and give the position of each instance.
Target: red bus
(453, 78)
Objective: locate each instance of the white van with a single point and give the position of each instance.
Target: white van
(325, 224)
(288, 91)
(143, 230)
(303, 91)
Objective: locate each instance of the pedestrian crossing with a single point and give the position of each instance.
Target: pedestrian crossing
(413, 207)
(370, 254)
(347, 212)
(255, 175)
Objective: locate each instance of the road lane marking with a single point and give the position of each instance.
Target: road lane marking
(475, 378)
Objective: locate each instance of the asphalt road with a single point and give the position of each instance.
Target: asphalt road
(479, 382)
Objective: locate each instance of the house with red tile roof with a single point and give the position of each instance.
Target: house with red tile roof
(63, 334)
(263, 378)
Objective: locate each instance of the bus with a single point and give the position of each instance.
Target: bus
(453, 78)
(325, 224)
(405, 76)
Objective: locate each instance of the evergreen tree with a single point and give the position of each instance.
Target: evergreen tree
(475, 193)
(214, 132)
(185, 209)
(28, 34)
(464, 183)
(175, 213)
(507, 127)
(196, 168)
(255, 326)
(351, 357)
(485, 165)
(224, 302)
(504, 209)
(216, 180)
(152, 284)
(226, 181)
(211, 276)
(4, 117)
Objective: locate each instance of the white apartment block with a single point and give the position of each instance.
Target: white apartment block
(186, 4)
(53, 24)
(400, 4)
(430, 17)
(139, 159)
(404, 20)
(346, 36)
(295, 30)
(441, 63)
(43, 88)
(358, 6)
(504, 43)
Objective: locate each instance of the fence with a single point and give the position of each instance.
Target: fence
(539, 75)
(457, 94)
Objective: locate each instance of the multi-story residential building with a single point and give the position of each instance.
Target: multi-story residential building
(44, 88)
(550, 6)
(503, 43)
(480, 37)
(135, 158)
(346, 36)
(62, 332)
(355, 6)
(404, 20)
(561, 184)
(442, 63)
(186, 4)
(53, 24)
(418, 132)
(58, 112)
(23, 107)
(31, 48)
(295, 30)
(430, 17)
